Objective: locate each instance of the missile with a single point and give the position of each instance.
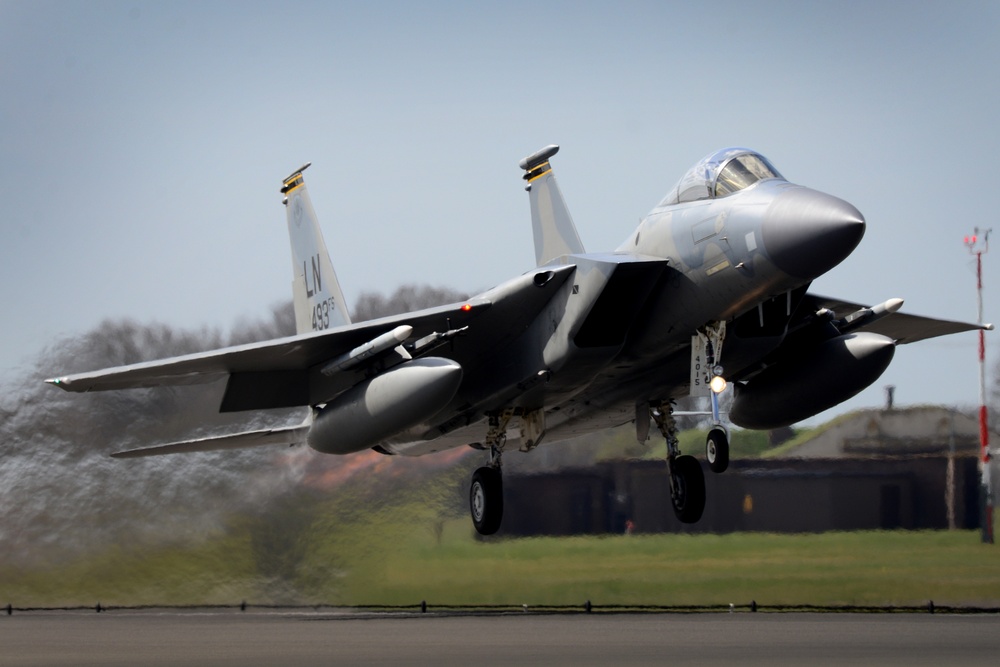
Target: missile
(435, 339)
(385, 405)
(866, 316)
(377, 345)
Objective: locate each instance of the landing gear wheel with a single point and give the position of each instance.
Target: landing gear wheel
(486, 500)
(717, 450)
(687, 489)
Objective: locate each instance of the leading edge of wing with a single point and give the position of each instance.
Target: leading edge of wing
(287, 435)
(901, 327)
(290, 353)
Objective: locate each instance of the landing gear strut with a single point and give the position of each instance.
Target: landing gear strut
(687, 481)
(717, 442)
(486, 491)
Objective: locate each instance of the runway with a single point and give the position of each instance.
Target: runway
(298, 638)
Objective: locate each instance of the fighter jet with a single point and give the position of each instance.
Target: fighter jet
(712, 288)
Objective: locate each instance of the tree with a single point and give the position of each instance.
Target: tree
(61, 495)
(372, 305)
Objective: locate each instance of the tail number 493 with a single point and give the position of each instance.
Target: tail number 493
(321, 315)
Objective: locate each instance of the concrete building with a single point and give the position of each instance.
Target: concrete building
(915, 468)
(913, 431)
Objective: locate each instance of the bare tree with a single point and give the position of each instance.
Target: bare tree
(372, 305)
(60, 493)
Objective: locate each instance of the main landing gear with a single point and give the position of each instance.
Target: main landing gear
(486, 491)
(486, 500)
(687, 481)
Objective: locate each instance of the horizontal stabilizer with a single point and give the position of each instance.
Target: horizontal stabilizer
(288, 435)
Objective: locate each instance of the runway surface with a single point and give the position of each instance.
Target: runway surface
(273, 638)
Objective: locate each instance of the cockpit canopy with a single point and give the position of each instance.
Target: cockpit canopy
(721, 173)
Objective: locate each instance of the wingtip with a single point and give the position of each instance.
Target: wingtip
(130, 453)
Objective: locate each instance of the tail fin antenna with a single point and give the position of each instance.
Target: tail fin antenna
(319, 302)
(555, 233)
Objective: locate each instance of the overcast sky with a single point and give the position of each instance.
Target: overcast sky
(143, 145)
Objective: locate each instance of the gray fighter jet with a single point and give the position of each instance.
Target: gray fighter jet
(712, 287)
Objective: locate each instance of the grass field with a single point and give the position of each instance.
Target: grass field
(400, 539)
(834, 568)
(396, 563)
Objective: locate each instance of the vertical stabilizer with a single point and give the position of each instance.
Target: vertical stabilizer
(555, 233)
(319, 303)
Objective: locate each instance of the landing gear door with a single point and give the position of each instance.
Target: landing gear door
(700, 372)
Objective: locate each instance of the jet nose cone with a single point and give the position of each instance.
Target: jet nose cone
(806, 233)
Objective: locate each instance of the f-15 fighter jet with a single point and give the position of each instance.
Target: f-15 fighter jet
(712, 288)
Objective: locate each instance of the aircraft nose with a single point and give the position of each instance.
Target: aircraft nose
(806, 233)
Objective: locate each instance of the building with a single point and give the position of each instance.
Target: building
(912, 468)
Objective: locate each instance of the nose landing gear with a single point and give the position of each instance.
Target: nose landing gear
(717, 449)
(717, 442)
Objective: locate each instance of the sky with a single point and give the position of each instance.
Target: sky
(143, 145)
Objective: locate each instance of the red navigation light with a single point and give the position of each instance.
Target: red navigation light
(466, 308)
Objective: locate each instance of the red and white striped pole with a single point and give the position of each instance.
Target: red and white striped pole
(978, 244)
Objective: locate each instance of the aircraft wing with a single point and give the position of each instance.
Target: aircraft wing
(313, 368)
(294, 354)
(287, 435)
(901, 327)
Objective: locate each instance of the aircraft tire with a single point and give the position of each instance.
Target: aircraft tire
(486, 500)
(717, 450)
(689, 480)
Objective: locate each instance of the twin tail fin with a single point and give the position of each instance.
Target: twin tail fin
(555, 233)
(319, 302)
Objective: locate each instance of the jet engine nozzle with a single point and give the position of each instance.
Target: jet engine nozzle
(806, 233)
